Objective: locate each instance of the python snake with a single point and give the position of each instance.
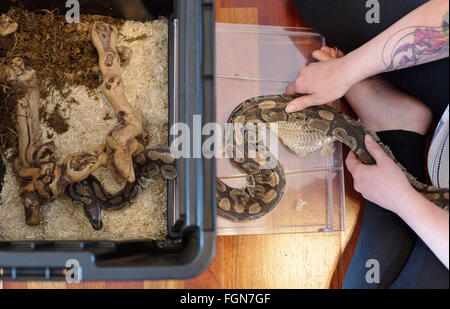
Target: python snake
(311, 129)
(91, 195)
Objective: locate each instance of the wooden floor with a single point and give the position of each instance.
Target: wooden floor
(261, 261)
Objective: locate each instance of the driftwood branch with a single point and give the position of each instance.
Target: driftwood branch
(41, 179)
(29, 132)
(123, 140)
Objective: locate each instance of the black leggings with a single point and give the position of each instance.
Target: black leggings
(404, 260)
(343, 24)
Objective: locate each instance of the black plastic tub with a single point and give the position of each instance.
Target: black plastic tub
(190, 244)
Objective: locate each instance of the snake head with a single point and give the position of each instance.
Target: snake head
(97, 224)
(94, 214)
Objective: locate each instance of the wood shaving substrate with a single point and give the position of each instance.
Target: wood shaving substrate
(146, 87)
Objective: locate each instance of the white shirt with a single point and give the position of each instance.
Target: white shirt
(438, 154)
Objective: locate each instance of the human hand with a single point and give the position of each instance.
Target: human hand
(383, 183)
(321, 82)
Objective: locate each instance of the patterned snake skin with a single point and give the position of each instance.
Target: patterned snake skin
(314, 128)
(148, 164)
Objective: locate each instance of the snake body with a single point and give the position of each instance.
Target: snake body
(92, 196)
(311, 129)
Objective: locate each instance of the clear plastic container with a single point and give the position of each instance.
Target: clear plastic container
(261, 60)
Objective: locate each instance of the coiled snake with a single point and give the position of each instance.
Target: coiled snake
(302, 132)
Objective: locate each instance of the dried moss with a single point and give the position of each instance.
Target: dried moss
(62, 54)
(8, 121)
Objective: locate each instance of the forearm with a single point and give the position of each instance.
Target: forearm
(430, 223)
(417, 38)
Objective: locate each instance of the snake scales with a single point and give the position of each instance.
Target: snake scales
(314, 128)
(91, 195)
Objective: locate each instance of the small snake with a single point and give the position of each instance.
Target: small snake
(302, 132)
(148, 164)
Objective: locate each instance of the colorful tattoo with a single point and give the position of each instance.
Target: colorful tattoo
(415, 45)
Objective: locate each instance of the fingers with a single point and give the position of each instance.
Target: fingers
(290, 89)
(311, 79)
(300, 103)
(374, 149)
(327, 53)
(321, 55)
(334, 52)
(352, 162)
(297, 86)
(329, 50)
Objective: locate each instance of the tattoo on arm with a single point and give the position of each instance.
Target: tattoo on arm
(416, 45)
